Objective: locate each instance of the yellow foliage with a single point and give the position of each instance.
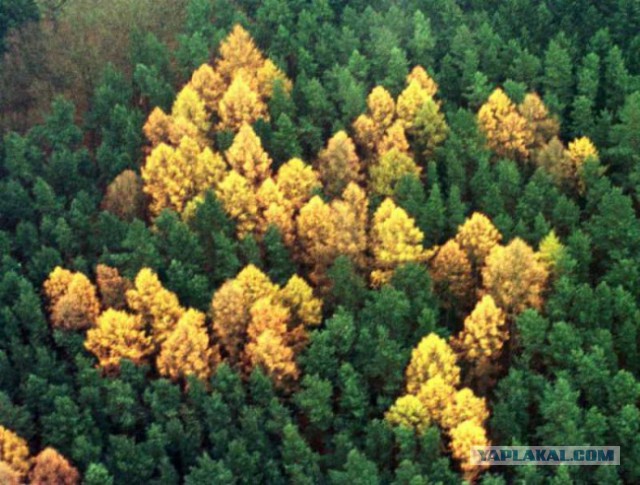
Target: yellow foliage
(317, 236)
(297, 295)
(424, 80)
(73, 300)
(158, 307)
(410, 101)
(187, 350)
(209, 85)
(158, 127)
(112, 287)
(429, 128)
(240, 105)
(389, 169)
(393, 139)
(432, 358)
(507, 131)
(239, 201)
(238, 53)
(395, 240)
(338, 164)
(266, 77)
(174, 176)
(554, 159)
(189, 110)
(8, 476)
(247, 157)
(436, 395)
(551, 251)
(408, 411)
(543, 126)
(275, 210)
(464, 436)
(381, 108)
(451, 273)
(51, 468)
(464, 406)
(515, 277)
(578, 152)
(14, 451)
(230, 310)
(268, 314)
(255, 284)
(477, 237)
(118, 335)
(297, 181)
(270, 352)
(349, 216)
(484, 332)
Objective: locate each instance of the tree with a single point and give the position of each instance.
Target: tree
(394, 240)
(541, 123)
(451, 274)
(507, 131)
(477, 237)
(270, 352)
(239, 201)
(338, 164)
(371, 127)
(209, 85)
(429, 128)
(408, 411)
(483, 335)
(515, 277)
(275, 210)
(553, 159)
(551, 252)
(8, 475)
(187, 350)
(124, 197)
(463, 437)
(73, 300)
(298, 296)
(579, 151)
(297, 181)
(157, 307)
(14, 452)
(189, 118)
(51, 468)
(240, 105)
(432, 358)
(558, 75)
(116, 336)
(389, 170)
(112, 287)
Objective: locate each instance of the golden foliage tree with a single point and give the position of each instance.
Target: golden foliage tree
(189, 117)
(230, 317)
(268, 314)
(297, 181)
(73, 301)
(578, 152)
(247, 157)
(425, 81)
(389, 169)
(275, 209)
(432, 357)
(464, 405)
(463, 437)
(394, 138)
(174, 176)
(451, 274)
(542, 125)
(298, 296)
(187, 350)
(14, 451)
(436, 394)
(158, 307)
(240, 105)
(553, 158)
(408, 411)
(429, 128)
(238, 53)
(8, 476)
(507, 131)
(515, 277)
(271, 353)
(209, 85)
(239, 201)
(118, 335)
(483, 335)
(551, 251)
(124, 197)
(394, 240)
(51, 468)
(477, 236)
(410, 101)
(371, 127)
(338, 164)
(112, 287)
(158, 127)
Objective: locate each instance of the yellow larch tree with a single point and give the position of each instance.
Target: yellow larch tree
(238, 53)
(124, 197)
(275, 209)
(189, 117)
(410, 101)
(158, 127)
(464, 405)
(578, 152)
(51, 468)
(209, 85)
(14, 451)
(8, 476)
(174, 176)
(542, 125)
(247, 157)
(515, 277)
(481, 340)
(451, 274)
(187, 350)
(551, 251)
(395, 138)
(432, 357)
(112, 287)
(409, 412)
(554, 159)
(297, 181)
(338, 164)
(387, 171)
(507, 131)
(240, 105)
(268, 314)
(477, 236)
(118, 335)
(266, 77)
(425, 81)
(371, 127)
(298, 296)
(230, 317)
(464, 436)
(350, 218)
(394, 240)
(271, 353)
(255, 284)
(436, 394)
(73, 300)
(158, 307)
(239, 201)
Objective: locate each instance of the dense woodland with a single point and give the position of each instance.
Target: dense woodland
(317, 242)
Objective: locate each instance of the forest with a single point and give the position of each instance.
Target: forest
(317, 242)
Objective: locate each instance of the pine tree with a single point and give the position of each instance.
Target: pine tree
(429, 128)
